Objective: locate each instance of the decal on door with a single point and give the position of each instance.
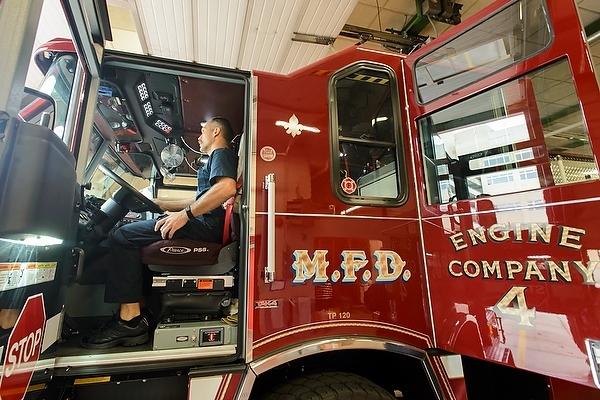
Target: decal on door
(348, 185)
(294, 127)
(16, 275)
(388, 267)
(268, 154)
(537, 268)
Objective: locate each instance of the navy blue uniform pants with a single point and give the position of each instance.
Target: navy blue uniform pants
(125, 281)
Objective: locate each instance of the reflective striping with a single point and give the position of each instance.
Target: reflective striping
(87, 381)
(369, 79)
(453, 366)
(206, 387)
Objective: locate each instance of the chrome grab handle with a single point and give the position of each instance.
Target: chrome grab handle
(269, 186)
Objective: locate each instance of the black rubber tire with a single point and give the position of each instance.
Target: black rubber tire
(328, 386)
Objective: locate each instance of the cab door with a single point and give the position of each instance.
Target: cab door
(336, 235)
(504, 111)
(40, 169)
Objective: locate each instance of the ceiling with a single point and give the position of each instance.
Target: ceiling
(257, 34)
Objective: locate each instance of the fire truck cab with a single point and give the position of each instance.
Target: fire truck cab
(418, 226)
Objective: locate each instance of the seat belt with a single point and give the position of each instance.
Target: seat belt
(228, 210)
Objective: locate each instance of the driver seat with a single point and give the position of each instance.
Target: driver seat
(193, 280)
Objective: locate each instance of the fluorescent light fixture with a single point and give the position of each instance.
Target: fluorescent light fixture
(505, 123)
(378, 119)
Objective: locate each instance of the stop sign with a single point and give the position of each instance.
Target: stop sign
(23, 349)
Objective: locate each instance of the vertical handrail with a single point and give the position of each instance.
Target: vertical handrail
(269, 186)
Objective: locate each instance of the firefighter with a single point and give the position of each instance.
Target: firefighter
(200, 217)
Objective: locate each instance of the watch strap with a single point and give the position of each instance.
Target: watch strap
(189, 213)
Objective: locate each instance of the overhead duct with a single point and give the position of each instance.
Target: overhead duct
(391, 39)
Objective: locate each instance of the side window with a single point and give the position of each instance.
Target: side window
(526, 134)
(517, 32)
(367, 167)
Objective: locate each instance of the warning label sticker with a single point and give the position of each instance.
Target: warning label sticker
(16, 275)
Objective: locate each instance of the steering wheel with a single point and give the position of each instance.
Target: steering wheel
(130, 190)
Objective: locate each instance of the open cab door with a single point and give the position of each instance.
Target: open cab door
(120, 135)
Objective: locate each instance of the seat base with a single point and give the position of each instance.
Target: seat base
(193, 334)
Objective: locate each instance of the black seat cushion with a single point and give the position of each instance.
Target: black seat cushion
(181, 252)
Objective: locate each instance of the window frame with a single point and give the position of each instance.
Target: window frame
(416, 80)
(432, 189)
(401, 167)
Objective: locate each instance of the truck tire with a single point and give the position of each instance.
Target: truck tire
(329, 386)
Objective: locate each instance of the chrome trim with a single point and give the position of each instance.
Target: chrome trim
(323, 345)
(283, 214)
(77, 88)
(138, 357)
(270, 188)
(246, 384)
(594, 359)
(419, 214)
(250, 216)
(346, 343)
(517, 208)
(41, 365)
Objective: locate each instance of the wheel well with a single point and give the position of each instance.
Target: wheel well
(392, 371)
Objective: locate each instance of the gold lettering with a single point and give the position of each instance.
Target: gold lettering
(489, 270)
(513, 267)
(306, 268)
(564, 272)
(458, 241)
(518, 232)
(532, 269)
(386, 260)
(477, 235)
(476, 269)
(453, 272)
(586, 272)
(568, 240)
(499, 229)
(536, 231)
(352, 261)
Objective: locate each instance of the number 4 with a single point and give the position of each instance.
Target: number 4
(513, 305)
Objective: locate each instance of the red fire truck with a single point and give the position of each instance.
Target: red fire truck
(413, 226)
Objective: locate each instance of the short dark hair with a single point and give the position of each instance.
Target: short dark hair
(225, 126)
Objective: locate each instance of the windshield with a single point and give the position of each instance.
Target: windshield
(103, 186)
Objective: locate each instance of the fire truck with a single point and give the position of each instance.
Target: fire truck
(412, 226)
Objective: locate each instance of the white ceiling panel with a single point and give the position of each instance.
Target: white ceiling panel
(269, 30)
(257, 34)
(219, 31)
(323, 19)
(167, 27)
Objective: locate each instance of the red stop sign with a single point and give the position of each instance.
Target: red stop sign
(23, 349)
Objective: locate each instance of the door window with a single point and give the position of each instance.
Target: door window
(365, 135)
(526, 134)
(515, 33)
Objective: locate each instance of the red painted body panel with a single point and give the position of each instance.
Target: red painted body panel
(309, 217)
(567, 310)
(463, 301)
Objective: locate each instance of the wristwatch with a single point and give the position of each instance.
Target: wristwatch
(188, 211)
